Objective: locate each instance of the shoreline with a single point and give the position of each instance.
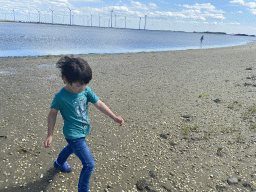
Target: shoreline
(190, 122)
(153, 51)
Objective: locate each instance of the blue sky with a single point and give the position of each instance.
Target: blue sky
(230, 16)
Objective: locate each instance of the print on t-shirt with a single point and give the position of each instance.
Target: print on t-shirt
(81, 110)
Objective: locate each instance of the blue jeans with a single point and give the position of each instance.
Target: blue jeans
(80, 148)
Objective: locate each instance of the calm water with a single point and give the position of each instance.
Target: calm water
(25, 39)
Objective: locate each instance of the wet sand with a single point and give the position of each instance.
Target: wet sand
(189, 122)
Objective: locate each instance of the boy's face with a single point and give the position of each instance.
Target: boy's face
(76, 87)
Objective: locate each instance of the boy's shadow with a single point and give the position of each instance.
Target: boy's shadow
(37, 186)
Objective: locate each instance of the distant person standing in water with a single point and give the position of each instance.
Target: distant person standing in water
(202, 38)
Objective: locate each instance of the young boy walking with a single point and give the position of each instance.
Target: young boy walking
(72, 102)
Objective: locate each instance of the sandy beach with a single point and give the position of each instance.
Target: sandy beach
(190, 122)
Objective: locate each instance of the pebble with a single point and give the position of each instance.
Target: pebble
(247, 185)
(186, 116)
(153, 174)
(232, 181)
(164, 136)
(142, 183)
(247, 84)
(217, 100)
(168, 186)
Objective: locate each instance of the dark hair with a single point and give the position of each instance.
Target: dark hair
(75, 70)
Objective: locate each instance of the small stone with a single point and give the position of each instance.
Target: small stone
(150, 189)
(247, 84)
(186, 116)
(221, 187)
(220, 154)
(247, 185)
(168, 187)
(163, 136)
(142, 183)
(195, 138)
(172, 143)
(152, 174)
(216, 101)
(232, 181)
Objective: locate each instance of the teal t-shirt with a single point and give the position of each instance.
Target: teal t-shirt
(74, 110)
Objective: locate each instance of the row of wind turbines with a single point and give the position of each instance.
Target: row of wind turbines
(39, 12)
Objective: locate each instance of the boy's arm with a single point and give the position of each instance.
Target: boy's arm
(51, 123)
(104, 109)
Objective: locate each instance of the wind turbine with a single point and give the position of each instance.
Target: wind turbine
(70, 15)
(91, 20)
(13, 16)
(139, 22)
(38, 15)
(145, 22)
(29, 16)
(115, 20)
(125, 22)
(111, 16)
(52, 15)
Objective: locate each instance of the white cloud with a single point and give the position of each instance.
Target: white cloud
(166, 14)
(238, 1)
(152, 6)
(195, 12)
(253, 11)
(250, 5)
(138, 5)
(202, 11)
(121, 8)
(204, 6)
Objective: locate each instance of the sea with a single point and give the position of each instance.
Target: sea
(36, 39)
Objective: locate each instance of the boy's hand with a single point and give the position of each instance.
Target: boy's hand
(48, 141)
(104, 109)
(119, 120)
